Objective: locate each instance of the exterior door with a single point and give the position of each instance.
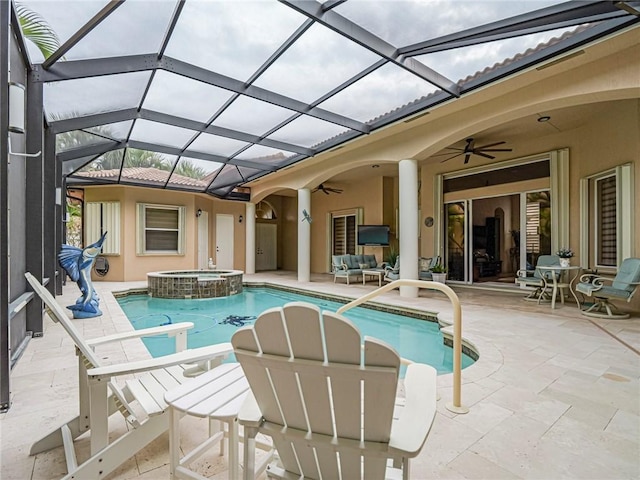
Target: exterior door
(266, 246)
(203, 240)
(224, 242)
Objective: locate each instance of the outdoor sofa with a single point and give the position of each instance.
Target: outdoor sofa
(351, 266)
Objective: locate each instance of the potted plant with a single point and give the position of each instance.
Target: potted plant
(392, 256)
(565, 254)
(439, 273)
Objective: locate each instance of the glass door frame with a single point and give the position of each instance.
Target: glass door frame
(467, 242)
(558, 186)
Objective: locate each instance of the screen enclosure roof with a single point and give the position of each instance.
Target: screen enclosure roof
(205, 96)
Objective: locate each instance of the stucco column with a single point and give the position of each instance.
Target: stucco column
(304, 236)
(408, 224)
(250, 238)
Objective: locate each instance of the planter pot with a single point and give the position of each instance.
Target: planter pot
(439, 277)
(565, 262)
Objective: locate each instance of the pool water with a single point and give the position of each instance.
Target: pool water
(216, 319)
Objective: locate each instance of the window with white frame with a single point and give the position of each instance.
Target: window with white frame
(160, 229)
(344, 234)
(608, 220)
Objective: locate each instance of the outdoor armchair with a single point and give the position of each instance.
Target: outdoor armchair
(331, 410)
(139, 397)
(538, 279)
(604, 289)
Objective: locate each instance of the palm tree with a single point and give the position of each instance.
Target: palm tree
(37, 30)
(147, 159)
(188, 169)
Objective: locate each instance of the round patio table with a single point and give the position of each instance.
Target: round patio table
(561, 281)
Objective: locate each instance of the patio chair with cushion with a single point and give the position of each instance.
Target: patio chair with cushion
(392, 273)
(426, 266)
(538, 279)
(330, 409)
(140, 398)
(604, 289)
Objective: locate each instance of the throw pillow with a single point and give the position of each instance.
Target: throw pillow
(425, 264)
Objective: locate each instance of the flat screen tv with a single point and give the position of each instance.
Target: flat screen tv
(373, 234)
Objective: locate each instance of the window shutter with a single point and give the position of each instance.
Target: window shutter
(607, 216)
(533, 227)
(339, 236)
(100, 217)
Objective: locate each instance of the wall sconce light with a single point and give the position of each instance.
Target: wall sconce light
(16, 115)
(16, 107)
(199, 212)
(240, 218)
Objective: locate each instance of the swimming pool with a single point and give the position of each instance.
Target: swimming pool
(216, 319)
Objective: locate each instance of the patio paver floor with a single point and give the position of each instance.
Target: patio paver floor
(553, 395)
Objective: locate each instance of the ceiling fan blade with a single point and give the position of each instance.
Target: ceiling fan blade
(484, 155)
(451, 157)
(466, 157)
(324, 190)
(449, 153)
(494, 149)
(490, 145)
(334, 190)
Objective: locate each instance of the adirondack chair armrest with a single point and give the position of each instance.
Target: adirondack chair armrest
(250, 415)
(172, 330)
(410, 430)
(188, 356)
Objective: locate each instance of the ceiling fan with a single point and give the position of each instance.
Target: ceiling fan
(470, 149)
(327, 190)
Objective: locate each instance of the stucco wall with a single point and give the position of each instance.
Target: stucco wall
(129, 266)
(609, 140)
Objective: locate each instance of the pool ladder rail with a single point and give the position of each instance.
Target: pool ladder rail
(455, 405)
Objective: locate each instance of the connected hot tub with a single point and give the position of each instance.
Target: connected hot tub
(194, 283)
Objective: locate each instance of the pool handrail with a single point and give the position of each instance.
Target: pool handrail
(456, 405)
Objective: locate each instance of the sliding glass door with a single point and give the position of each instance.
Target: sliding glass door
(456, 235)
(484, 236)
(537, 227)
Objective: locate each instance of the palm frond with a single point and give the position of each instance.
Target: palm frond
(37, 30)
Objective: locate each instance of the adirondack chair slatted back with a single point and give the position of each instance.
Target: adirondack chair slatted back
(87, 355)
(57, 314)
(307, 372)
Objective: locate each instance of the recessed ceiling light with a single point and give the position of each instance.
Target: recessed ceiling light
(544, 118)
(375, 166)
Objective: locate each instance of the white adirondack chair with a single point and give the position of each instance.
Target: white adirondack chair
(329, 407)
(140, 399)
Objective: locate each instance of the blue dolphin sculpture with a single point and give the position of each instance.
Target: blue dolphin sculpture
(77, 263)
